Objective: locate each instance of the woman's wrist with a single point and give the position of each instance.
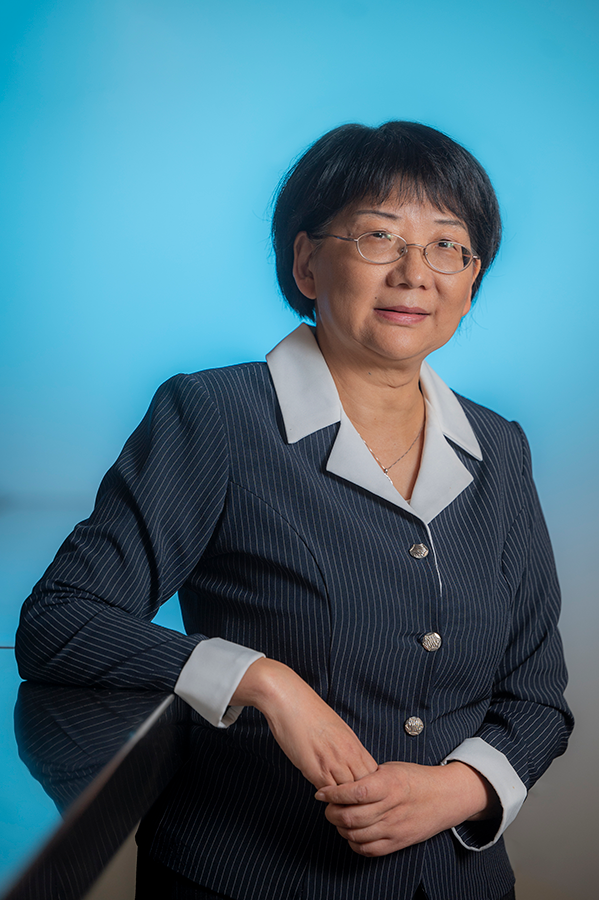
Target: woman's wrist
(261, 685)
(477, 795)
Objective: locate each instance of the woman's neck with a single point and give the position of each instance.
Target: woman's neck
(375, 392)
(386, 407)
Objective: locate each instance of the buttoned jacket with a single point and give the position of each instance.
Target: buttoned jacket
(289, 539)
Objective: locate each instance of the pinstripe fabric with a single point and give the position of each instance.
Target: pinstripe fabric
(269, 550)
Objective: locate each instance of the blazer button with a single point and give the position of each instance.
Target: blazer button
(418, 551)
(431, 641)
(413, 725)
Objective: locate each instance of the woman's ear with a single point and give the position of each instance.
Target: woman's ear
(303, 248)
(476, 264)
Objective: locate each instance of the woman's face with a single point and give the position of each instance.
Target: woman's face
(393, 313)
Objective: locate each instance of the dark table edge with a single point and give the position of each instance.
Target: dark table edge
(97, 824)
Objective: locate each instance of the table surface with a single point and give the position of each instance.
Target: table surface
(27, 813)
(81, 767)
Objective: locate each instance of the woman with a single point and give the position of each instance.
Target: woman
(364, 571)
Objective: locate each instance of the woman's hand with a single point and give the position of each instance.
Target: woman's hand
(310, 733)
(402, 804)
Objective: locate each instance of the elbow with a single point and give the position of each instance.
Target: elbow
(39, 642)
(31, 661)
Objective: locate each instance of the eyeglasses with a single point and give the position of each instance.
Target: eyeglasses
(381, 247)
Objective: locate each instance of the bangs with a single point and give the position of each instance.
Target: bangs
(404, 160)
(387, 165)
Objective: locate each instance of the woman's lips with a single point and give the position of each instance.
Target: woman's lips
(405, 315)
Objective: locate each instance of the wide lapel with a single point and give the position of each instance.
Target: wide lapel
(452, 420)
(304, 385)
(309, 402)
(442, 476)
(351, 459)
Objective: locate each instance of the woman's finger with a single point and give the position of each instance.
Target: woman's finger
(371, 788)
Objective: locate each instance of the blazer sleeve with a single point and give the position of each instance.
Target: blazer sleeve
(528, 719)
(88, 621)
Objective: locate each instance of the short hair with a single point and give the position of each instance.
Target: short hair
(354, 162)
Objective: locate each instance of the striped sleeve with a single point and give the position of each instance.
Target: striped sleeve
(528, 719)
(88, 621)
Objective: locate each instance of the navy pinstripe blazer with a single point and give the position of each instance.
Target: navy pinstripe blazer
(270, 550)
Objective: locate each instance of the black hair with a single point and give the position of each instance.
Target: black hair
(355, 162)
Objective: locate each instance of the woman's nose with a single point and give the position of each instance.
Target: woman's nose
(411, 268)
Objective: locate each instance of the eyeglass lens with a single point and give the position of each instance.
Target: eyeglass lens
(383, 247)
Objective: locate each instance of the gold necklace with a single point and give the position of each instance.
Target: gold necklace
(387, 469)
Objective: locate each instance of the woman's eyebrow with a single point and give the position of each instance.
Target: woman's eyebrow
(457, 222)
(375, 212)
(388, 215)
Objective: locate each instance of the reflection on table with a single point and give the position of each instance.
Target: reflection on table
(103, 756)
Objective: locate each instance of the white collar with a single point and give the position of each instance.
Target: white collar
(309, 401)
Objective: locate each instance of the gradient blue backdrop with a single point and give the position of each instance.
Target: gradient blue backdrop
(140, 143)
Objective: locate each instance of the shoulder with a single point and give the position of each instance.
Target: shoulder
(241, 374)
(243, 378)
(192, 417)
(502, 441)
(484, 419)
(229, 394)
(480, 432)
(213, 384)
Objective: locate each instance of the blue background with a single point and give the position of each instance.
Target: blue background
(140, 144)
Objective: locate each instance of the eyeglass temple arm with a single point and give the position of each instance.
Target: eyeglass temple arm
(338, 236)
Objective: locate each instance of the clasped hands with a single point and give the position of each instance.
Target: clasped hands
(377, 808)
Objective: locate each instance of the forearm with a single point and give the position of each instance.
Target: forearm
(311, 734)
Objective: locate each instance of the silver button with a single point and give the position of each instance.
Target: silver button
(431, 641)
(418, 551)
(413, 725)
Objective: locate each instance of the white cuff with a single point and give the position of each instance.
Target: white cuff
(210, 677)
(500, 774)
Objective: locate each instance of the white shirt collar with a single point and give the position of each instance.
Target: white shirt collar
(309, 401)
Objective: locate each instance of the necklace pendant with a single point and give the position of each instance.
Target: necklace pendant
(386, 470)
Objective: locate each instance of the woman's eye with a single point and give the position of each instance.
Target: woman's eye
(381, 235)
(448, 248)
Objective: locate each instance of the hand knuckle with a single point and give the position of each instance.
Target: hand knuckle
(361, 793)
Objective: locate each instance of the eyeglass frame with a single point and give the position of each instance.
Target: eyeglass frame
(423, 247)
